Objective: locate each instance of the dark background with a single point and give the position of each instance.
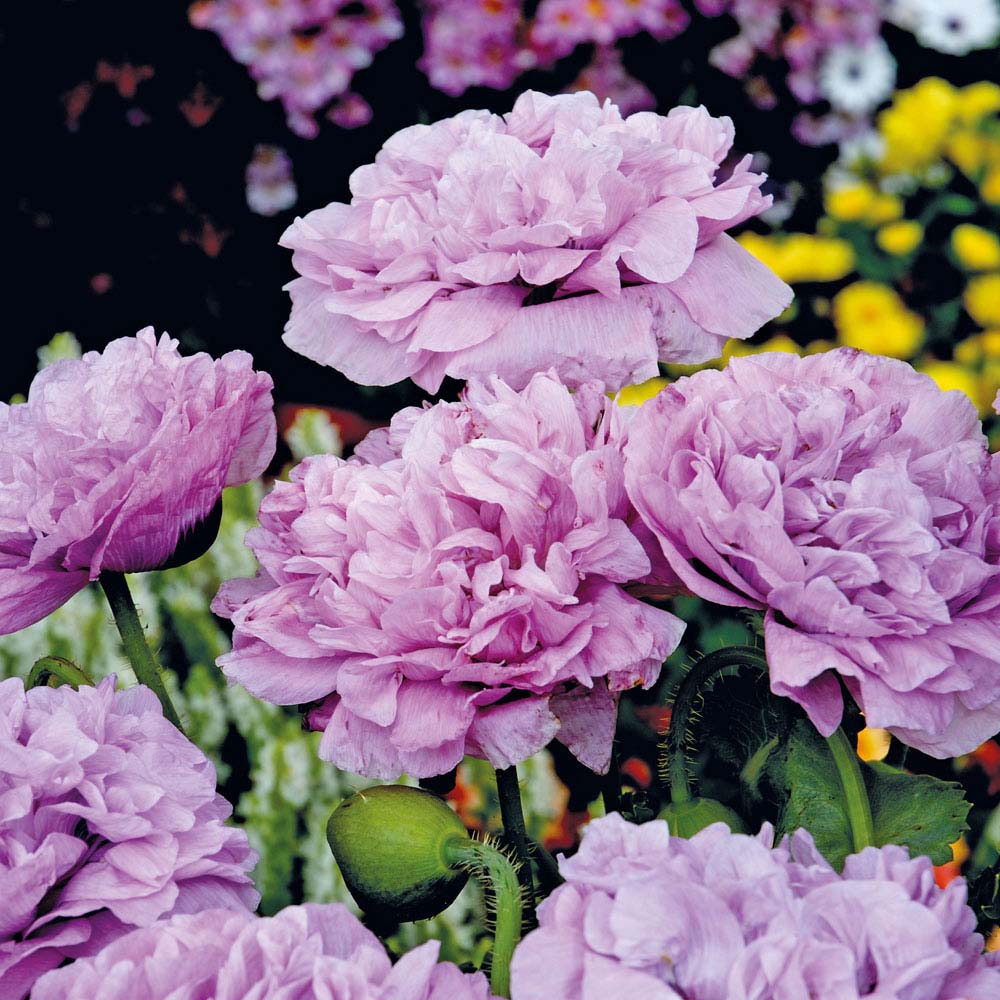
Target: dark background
(116, 225)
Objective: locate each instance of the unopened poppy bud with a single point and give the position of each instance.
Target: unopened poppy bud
(391, 843)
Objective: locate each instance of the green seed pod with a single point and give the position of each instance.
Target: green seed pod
(685, 819)
(390, 842)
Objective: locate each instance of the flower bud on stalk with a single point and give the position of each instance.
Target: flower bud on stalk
(390, 843)
(404, 854)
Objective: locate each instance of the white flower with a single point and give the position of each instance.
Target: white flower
(903, 13)
(857, 78)
(957, 26)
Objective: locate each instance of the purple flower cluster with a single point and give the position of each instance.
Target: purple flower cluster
(303, 52)
(308, 952)
(607, 79)
(560, 235)
(456, 587)
(113, 457)
(469, 43)
(474, 43)
(560, 25)
(109, 820)
(858, 504)
(724, 916)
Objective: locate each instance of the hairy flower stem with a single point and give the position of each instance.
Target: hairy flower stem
(494, 869)
(515, 832)
(54, 671)
(859, 810)
(674, 765)
(147, 670)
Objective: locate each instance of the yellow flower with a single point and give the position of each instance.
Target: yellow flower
(969, 151)
(782, 342)
(978, 348)
(978, 100)
(969, 352)
(872, 317)
(873, 744)
(861, 202)
(798, 257)
(990, 188)
(993, 939)
(989, 385)
(819, 346)
(982, 299)
(915, 127)
(635, 395)
(849, 202)
(949, 375)
(977, 249)
(885, 208)
(900, 238)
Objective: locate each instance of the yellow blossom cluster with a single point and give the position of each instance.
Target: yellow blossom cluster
(801, 257)
(873, 317)
(861, 201)
(935, 121)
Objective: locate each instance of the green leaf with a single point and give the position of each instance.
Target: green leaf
(813, 797)
(917, 811)
(957, 204)
(925, 814)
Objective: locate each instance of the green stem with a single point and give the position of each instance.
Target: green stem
(489, 864)
(675, 764)
(514, 830)
(147, 670)
(859, 811)
(611, 788)
(548, 868)
(61, 671)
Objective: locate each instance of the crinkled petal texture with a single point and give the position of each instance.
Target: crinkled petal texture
(857, 503)
(560, 235)
(457, 586)
(309, 952)
(725, 916)
(113, 458)
(109, 820)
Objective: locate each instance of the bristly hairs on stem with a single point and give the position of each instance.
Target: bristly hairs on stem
(493, 867)
(674, 766)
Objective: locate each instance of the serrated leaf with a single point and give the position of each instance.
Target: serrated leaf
(916, 811)
(924, 813)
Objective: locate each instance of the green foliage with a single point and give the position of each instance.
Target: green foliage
(62, 346)
(920, 812)
(685, 819)
(313, 432)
